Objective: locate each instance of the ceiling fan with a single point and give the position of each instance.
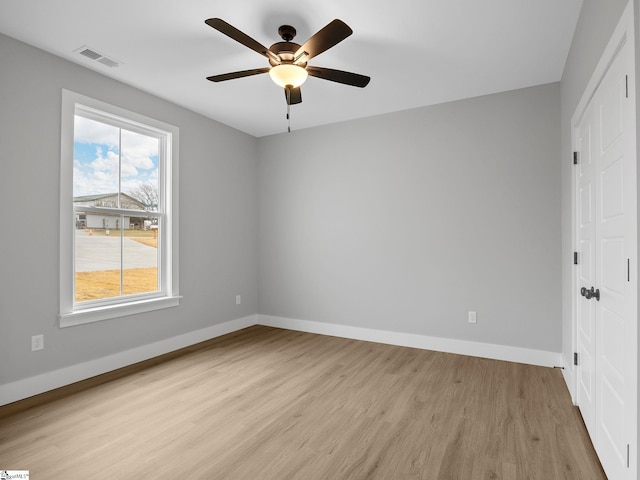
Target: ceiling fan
(288, 60)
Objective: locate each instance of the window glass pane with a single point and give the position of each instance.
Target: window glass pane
(140, 256)
(95, 158)
(139, 171)
(97, 256)
(116, 254)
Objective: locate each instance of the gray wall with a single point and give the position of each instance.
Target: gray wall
(596, 24)
(406, 221)
(218, 218)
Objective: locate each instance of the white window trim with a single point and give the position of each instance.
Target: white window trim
(170, 297)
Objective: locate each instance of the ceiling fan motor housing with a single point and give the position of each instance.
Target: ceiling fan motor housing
(286, 51)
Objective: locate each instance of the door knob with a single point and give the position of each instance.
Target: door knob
(591, 293)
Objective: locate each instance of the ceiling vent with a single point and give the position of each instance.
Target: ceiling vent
(93, 55)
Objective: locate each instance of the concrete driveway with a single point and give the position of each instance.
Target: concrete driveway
(99, 252)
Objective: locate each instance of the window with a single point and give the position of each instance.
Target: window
(118, 209)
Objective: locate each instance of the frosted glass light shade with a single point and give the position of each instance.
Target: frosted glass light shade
(288, 74)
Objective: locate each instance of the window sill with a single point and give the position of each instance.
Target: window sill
(97, 314)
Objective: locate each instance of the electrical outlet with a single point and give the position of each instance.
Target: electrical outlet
(472, 317)
(37, 342)
(238, 299)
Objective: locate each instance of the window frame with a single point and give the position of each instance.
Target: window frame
(77, 313)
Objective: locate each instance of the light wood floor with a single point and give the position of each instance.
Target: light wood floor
(265, 403)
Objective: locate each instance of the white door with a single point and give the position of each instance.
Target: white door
(606, 231)
(586, 311)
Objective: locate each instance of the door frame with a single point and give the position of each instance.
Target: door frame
(623, 34)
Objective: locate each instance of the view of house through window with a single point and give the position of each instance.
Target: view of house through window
(117, 207)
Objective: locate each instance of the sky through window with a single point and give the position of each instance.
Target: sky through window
(103, 153)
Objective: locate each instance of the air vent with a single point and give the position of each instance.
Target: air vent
(93, 55)
(90, 53)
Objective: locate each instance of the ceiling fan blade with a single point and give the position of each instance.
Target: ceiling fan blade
(339, 76)
(324, 39)
(240, 37)
(293, 95)
(232, 75)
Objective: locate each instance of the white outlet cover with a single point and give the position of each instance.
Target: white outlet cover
(37, 342)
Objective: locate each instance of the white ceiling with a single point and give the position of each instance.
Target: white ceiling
(417, 52)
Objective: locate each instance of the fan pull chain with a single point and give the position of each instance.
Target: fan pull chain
(289, 110)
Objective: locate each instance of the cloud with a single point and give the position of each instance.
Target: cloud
(139, 149)
(91, 183)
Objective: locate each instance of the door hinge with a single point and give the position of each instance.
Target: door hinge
(628, 454)
(626, 85)
(575, 158)
(575, 258)
(575, 358)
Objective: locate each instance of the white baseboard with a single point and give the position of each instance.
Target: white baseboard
(449, 345)
(28, 387)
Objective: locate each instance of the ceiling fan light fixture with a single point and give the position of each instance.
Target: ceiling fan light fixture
(288, 75)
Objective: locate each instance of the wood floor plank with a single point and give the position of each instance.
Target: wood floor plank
(275, 404)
